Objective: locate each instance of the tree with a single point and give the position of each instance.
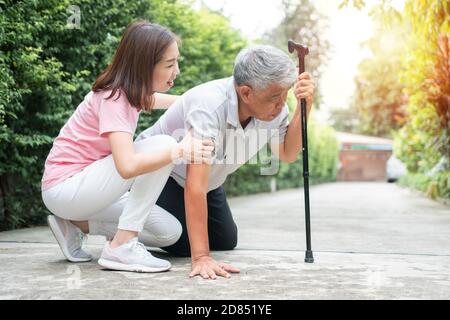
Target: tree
(423, 142)
(378, 100)
(344, 119)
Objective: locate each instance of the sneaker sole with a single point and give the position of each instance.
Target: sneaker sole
(60, 239)
(113, 265)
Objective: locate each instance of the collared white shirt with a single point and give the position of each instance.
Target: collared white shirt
(211, 110)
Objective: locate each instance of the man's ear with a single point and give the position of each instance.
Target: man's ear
(244, 93)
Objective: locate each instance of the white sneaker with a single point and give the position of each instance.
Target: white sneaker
(70, 239)
(131, 256)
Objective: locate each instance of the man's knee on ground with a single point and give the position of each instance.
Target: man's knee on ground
(180, 249)
(228, 241)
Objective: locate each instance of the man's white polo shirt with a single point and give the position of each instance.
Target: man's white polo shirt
(211, 110)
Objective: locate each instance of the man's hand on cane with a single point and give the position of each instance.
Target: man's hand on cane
(304, 88)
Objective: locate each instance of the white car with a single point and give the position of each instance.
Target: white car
(394, 169)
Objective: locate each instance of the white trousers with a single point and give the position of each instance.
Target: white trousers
(101, 196)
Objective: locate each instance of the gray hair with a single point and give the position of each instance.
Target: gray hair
(259, 66)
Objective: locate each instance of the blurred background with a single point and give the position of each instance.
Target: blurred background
(382, 68)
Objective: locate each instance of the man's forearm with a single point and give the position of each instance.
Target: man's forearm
(197, 222)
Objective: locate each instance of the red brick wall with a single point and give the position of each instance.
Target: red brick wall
(363, 165)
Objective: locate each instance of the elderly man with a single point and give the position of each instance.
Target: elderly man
(241, 114)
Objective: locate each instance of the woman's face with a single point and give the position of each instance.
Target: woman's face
(166, 70)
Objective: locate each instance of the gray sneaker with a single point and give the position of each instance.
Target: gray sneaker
(70, 239)
(131, 256)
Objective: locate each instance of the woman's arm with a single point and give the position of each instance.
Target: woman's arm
(164, 101)
(130, 164)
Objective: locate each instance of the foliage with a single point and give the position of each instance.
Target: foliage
(423, 70)
(427, 85)
(379, 101)
(434, 187)
(344, 119)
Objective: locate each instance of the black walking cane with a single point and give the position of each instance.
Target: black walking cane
(301, 53)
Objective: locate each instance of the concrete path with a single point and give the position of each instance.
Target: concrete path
(370, 241)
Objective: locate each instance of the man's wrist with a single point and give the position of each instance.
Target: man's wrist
(200, 256)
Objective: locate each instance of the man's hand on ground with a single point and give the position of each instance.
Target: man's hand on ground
(208, 268)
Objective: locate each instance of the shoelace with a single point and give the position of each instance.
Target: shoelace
(140, 249)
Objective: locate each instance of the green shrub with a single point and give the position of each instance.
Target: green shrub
(416, 181)
(425, 138)
(437, 186)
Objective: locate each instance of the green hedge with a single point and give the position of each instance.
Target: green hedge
(437, 186)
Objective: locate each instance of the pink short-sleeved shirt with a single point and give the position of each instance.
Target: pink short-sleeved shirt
(83, 139)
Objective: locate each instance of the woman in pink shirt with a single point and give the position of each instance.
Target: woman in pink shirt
(95, 175)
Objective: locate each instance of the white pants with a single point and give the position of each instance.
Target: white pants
(101, 196)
